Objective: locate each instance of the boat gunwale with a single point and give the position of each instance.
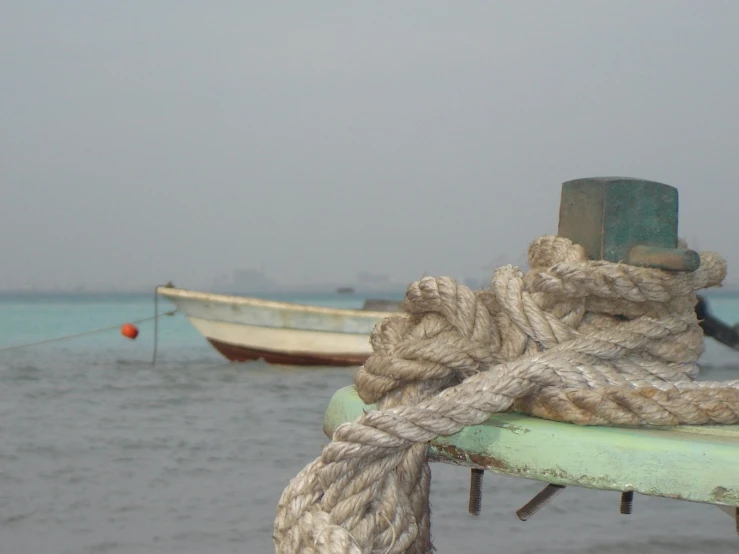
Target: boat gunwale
(187, 294)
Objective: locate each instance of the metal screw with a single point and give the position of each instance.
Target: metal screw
(536, 503)
(476, 491)
(627, 497)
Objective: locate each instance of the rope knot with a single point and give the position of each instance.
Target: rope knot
(445, 337)
(586, 342)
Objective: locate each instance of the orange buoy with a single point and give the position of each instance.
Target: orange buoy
(129, 330)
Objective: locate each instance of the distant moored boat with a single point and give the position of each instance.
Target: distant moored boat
(244, 328)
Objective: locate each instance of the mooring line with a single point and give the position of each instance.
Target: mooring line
(76, 335)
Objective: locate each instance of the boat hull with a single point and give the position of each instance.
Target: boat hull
(240, 343)
(239, 353)
(243, 329)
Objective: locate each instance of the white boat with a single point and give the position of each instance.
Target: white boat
(245, 328)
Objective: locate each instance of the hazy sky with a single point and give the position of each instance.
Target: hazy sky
(142, 141)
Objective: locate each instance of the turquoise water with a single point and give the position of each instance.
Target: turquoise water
(102, 453)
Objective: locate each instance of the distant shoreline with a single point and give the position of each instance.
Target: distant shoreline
(264, 292)
(323, 291)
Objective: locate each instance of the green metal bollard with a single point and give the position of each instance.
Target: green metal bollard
(625, 220)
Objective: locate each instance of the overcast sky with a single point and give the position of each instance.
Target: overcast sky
(142, 141)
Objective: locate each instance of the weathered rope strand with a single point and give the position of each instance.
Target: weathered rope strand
(586, 342)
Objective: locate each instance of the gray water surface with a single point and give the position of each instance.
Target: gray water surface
(114, 456)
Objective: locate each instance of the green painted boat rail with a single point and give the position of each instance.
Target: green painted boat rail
(695, 463)
(621, 220)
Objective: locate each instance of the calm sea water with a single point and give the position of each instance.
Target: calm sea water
(102, 453)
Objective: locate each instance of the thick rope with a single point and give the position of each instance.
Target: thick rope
(585, 342)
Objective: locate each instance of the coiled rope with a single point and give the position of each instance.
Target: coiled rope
(574, 340)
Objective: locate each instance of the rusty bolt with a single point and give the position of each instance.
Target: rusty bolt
(536, 503)
(476, 491)
(627, 497)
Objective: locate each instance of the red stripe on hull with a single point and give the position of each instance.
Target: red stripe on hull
(237, 353)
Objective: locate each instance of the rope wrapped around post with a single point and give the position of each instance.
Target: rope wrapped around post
(573, 340)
